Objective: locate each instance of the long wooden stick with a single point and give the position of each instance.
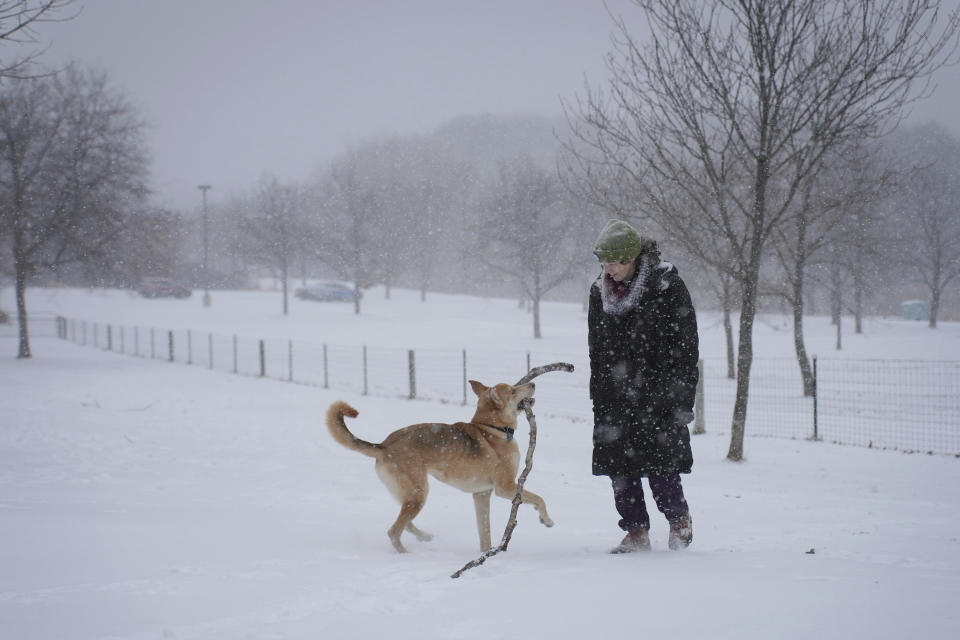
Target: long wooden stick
(528, 465)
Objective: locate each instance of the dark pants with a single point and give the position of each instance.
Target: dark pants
(628, 496)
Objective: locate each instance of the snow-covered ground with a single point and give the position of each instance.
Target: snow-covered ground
(141, 499)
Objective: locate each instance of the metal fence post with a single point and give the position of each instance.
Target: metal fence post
(235, 365)
(699, 414)
(326, 369)
(412, 365)
(109, 337)
(263, 360)
(189, 347)
(136, 341)
(170, 344)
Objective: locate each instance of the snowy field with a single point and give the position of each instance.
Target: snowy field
(141, 499)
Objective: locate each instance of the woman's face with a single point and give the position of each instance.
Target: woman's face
(619, 271)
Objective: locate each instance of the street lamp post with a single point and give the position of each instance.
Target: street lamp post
(206, 246)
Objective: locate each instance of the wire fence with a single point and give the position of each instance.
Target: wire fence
(911, 406)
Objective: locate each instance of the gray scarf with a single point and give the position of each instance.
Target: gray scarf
(618, 306)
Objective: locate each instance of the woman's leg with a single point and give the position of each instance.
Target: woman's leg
(668, 494)
(628, 498)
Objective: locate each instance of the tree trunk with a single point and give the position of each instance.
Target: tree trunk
(748, 310)
(536, 317)
(806, 372)
(286, 286)
(934, 307)
(728, 331)
(858, 292)
(796, 302)
(744, 362)
(21, 294)
(858, 311)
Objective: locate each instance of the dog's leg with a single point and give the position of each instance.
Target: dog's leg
(538, 503)
(421, 535)
(481, 502)
(409, 486)
(408, 512)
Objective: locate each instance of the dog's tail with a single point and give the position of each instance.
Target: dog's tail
(338, 429)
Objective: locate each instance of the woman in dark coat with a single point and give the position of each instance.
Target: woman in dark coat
(642, 333)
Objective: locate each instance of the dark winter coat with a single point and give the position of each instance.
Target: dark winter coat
(643, 379)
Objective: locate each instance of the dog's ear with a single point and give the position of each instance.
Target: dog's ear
(478, 387)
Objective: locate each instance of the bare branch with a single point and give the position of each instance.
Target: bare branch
(527, 467)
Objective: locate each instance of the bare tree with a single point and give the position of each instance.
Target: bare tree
(274, 230)
(19, 20)
(738, 101)
(433, 191)
(150, 243)
(931, 192)
(527, 230)
(834, 210)
(72, 164)
(349, 226)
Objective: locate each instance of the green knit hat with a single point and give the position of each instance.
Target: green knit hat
(618, 242)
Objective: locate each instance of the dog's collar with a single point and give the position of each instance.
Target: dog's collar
(506, 430)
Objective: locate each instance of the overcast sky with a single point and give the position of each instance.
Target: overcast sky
(234, 89)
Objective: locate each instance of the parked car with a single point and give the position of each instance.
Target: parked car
(327, 292)
(163, 288)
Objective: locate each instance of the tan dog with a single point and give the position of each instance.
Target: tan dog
(478, 457)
